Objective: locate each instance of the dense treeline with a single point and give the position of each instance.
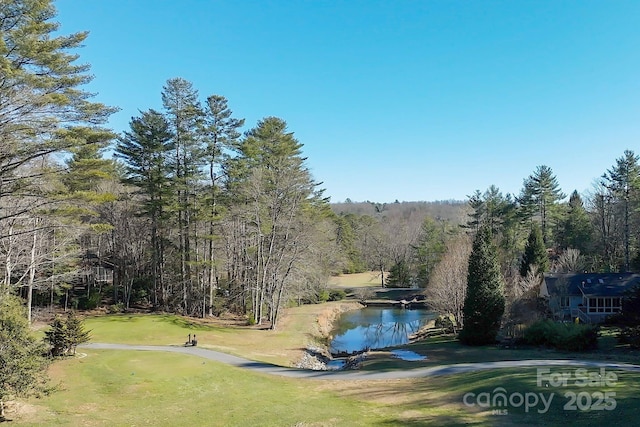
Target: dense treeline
(197, 213)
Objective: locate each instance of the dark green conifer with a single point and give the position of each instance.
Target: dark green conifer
(484, 303)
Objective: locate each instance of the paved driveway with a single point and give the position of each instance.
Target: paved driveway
(360, 375)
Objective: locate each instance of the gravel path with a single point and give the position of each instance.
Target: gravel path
(360, 375)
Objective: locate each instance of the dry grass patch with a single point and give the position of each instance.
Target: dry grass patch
(357, 280)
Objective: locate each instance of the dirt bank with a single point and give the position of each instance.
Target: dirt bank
(328, 316)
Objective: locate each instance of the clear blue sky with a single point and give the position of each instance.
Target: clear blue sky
(407, 100)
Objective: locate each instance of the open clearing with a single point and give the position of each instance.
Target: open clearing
(357, 280)
(114, 388)
(109, 388)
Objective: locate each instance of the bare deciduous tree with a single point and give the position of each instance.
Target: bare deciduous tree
(570, 261)
(448, 285)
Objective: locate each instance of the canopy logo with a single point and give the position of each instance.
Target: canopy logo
(500, 401)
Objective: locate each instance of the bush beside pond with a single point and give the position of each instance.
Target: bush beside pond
(562, 336)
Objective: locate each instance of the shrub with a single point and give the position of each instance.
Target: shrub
(562, 336)
(250, 319)
(116, 308)
(337, 295)
(91, 302)
(323, 295)
(630, 336)
(445, 322)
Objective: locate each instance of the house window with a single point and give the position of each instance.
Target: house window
(564, 302)
(604, 305)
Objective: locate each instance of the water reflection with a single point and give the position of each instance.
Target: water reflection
(376, 327)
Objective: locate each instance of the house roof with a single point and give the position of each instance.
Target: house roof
(590, 284)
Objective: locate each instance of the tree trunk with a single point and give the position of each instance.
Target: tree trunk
(32, 274)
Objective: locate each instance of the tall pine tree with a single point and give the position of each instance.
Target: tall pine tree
(146, 150)
(43, 107)
(623, 181)
(185, 117)
(539, 198)
(484, 302)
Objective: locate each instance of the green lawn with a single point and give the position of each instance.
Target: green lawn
(126, 388)
(299, 328)
(142, 388)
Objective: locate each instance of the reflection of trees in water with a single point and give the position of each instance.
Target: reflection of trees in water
(385, 328)
(389, 334)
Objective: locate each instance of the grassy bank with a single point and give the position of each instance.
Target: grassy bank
(299, 328)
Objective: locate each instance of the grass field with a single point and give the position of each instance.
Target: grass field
(126, 388)
(118, 388)
(299, 328)
(357, 280)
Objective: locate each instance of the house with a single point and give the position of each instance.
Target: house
(591, 297)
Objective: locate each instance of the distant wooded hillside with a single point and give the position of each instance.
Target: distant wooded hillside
(452, 211)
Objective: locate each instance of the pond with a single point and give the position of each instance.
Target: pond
(376, 327)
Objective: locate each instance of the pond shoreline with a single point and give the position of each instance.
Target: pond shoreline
(317, 356)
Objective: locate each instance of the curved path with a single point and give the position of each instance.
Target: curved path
(360, 375)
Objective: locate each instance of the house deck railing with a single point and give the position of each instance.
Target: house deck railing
(577, 312)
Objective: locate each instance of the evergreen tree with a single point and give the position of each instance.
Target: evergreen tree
(429, 249)
(44, 109)
(145, 150)
(346, 237)
(399, 275)
(22, 364)
(275, 196)
(484, 302)
(56, 337)
(623, 181)
(535, 253)
(499, 213)
(87, 169)
(221, 133)
(540, 196)
(65, 334)
(186, 122)
(575, 230)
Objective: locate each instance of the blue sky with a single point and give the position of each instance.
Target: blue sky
(406, 100)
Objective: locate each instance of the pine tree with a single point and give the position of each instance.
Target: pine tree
(221, 133)
(484, 302)
(145, 150)
(22, 364)
(43, 108)
(540, 196)
(275, 195)
(399, 275)
(535, 253)
(623, 181)
(576, 230)
(65, 334)
(429, 249)
(186, 122)
(56, 337)
(76, 334)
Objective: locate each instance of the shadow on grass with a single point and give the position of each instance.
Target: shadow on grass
(441, 400)
(445, 350)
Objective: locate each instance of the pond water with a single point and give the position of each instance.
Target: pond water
(376, 327)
